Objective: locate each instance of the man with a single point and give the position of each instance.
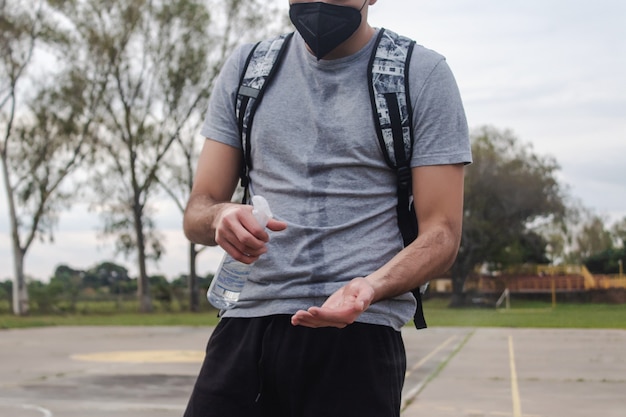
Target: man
(316, 331)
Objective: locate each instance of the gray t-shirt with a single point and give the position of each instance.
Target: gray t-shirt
(317, 161)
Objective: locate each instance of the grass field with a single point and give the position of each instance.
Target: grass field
(522, 314)
(529, 314)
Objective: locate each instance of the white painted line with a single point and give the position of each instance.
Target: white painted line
(45, 412)
(413, 392)
(430, 355)
(517, 406)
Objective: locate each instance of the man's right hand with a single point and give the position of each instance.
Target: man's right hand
(240, 235)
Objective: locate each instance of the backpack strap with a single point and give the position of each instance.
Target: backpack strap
(260, 67)
(389, 90)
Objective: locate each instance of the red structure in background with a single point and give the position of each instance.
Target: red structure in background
(536, 279)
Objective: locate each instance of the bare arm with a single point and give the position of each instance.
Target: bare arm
(213, 186)
(438, 194)
(211, 219)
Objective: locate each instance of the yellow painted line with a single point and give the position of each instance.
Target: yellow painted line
(517, 405)
(430, 355)
(143, 356)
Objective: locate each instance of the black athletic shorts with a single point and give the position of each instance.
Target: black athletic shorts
(265, 367)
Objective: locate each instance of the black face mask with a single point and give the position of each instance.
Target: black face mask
(324, 26)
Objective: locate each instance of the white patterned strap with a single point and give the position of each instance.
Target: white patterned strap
(260, 67)
(390, 95)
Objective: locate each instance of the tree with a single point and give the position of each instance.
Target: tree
(70, 281)
(243, 19)
(158, 55)
(591, 239)
(6, 290)
(606, 261)
(46, 297)
(598, 247)
(42, 142)
(508, 190)
(18, 36)
(618, 232)
(528, 247)
(114, 278)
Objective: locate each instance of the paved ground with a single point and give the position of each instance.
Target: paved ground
(452, 372)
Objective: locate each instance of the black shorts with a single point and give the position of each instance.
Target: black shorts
(265, 367)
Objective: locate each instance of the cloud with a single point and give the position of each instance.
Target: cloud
(553, 72)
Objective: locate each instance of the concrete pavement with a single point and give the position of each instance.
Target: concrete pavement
(530, 373)
(149, 371)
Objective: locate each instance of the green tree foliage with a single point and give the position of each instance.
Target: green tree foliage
(68, 286)
(607, 261)
(6, 289)
(589, 237)
(507, 189)
(594, 238)
(618, 232)
(601, 249)
(45, 297)
(111, 276)
(70, 283)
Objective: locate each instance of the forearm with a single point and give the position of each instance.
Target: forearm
(429, 256)
(438, 199)
(200, 219)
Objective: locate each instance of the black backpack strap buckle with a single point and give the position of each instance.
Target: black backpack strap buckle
(404, 177)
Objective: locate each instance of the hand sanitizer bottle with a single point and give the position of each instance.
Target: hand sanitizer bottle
(231, 275)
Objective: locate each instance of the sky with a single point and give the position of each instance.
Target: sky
(553, 72)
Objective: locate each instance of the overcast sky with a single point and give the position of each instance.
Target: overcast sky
(552, 71)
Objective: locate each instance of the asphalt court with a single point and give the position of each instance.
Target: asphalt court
(460, 372)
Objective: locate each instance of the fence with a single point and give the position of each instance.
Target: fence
(545, 279)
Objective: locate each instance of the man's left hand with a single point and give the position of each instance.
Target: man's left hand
(340, 309)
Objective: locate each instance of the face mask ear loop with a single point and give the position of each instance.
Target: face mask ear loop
(363, 5)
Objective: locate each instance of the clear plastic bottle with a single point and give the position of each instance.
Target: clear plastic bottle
(231, 275)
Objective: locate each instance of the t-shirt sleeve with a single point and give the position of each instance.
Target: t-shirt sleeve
(440, 127)
(220, 123)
